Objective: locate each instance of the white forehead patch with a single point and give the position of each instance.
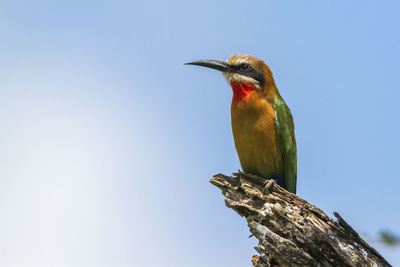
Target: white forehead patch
(239, 59)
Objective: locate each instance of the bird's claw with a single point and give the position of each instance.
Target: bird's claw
(268, 184)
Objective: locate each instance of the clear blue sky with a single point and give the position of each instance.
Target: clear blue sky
(108, 141)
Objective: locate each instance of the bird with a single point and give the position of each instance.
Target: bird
(262, 124)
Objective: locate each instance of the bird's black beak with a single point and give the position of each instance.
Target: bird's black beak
(213, 64)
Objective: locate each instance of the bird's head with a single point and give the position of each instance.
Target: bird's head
(245, 73)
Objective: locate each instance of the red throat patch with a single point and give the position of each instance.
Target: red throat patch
(241, 90)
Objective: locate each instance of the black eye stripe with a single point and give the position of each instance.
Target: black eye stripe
(244, 66)
(250, 72)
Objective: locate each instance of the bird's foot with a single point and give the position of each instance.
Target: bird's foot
(250, 177)
(268, 184)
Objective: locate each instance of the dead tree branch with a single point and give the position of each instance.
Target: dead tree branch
(290, 231)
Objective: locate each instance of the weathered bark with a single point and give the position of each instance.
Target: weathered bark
(290, 231)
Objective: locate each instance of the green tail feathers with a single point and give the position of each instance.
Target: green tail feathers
(287, 142)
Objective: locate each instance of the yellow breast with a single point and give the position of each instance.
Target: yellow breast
(255, 136)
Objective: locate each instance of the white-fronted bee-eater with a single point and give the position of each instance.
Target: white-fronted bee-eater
(262, 124)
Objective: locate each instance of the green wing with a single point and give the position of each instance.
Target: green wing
(287, 141)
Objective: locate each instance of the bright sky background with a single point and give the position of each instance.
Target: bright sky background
(108, 141)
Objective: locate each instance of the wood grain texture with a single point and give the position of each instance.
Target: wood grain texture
(290, 231)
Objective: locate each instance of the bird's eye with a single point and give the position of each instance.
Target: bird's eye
(244, 66)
